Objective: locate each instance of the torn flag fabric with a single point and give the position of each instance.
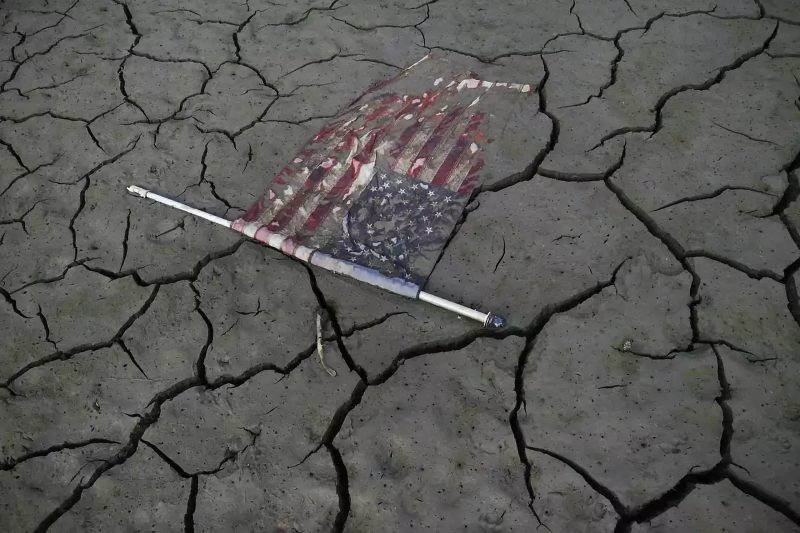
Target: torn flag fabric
(377, 192)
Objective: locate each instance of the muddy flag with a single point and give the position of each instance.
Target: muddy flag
(376, 193)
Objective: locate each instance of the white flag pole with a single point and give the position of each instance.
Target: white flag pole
(489, 320)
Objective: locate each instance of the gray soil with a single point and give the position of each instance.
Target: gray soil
(158, 373)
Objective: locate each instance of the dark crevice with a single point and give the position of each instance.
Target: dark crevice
(11, 463)
(654, 356)
(792, 191)
(615, 61)
(338, 418)
(212, 186)
(46, 327)
(378, 62)
(502, 255)
(677, 493)
(580, 178)
(220, 198)
(531, 170)
(20, 219)
(577, 17)
(86, 178)
(27, 173)
(319, 61)
(627, 3)
(128, 17)
(709, 195)
(736, 265)
(598, 487)
(300, 121)
(64, 355)
(302, 17)
(531, 333)
(172, 278)
(703, 86)
(791, 228)
(342, 488)
(200, 366)
(125, 240)
(440, 346)
(249, 157)
(191, 505)
(121, 68)
(239, 29)
(793, 301)
(179, 10)
(53, 85)
(745, 135)
(178, 469)
(764, 496)
(157, 59)
(46, 51)
(727, 412)
(53, 279)
(123, 454)
(124, 347)
(14, 154)
(231, 135)
(668, 240)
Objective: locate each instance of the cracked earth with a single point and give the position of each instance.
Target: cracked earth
(641, 233)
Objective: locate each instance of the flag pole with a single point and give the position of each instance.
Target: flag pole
(489, 320)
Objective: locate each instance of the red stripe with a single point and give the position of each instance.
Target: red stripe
(447, 166)
(328, 129)
(472, 178)
(345, 182)
(433, 141)
(255, 210)
(288, 211)
(412, 130)
(342, 186)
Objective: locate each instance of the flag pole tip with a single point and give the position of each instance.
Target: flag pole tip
(136, 190)
(494, 321)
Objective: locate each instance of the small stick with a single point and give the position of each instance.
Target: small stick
(331, 372)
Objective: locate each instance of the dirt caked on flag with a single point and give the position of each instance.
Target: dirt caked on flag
(377, 192)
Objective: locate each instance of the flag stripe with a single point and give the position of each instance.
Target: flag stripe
(472, 177)
(448, 139)
(446, 168)
(288, 211)
(433, 141)
(343, 184)
(316, 181)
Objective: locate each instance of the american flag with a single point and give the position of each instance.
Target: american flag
(383, 185)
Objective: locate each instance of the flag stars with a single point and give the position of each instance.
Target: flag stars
(428, 230)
